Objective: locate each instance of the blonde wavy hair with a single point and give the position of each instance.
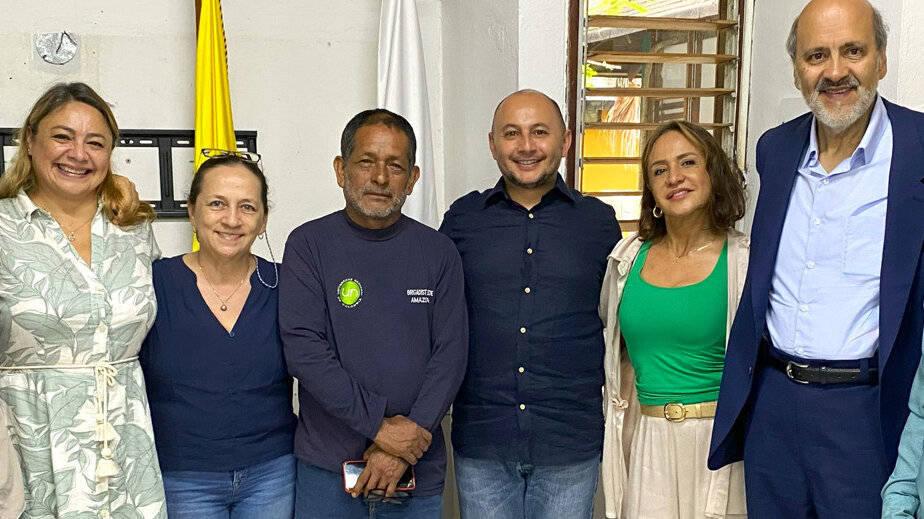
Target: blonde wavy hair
(21, 174)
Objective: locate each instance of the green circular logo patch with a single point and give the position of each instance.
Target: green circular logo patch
(350, 292)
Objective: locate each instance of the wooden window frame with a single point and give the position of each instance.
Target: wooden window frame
(575, 92)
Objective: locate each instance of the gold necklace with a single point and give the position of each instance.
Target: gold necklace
(70, 234)
(224, 300)
(698, 249)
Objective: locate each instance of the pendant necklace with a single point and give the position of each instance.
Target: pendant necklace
(224, 300)
(70, 234)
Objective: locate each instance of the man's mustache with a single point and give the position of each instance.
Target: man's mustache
(848, 81)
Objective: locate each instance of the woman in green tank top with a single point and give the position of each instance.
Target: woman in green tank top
(668, 300)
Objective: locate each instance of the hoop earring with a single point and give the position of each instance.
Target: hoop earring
(273, 258)
(657, 212)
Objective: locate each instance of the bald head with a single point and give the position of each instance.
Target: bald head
(835, 8)
(528, 138)
(530, 96)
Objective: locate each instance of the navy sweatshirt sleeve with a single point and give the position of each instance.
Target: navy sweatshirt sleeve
(449, 356)
(303, 321)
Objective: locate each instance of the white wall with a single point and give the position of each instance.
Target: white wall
(543, 48)
(480, 53)
(298, 72)
(911, 76)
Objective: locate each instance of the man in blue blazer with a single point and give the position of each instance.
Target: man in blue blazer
(828, 335)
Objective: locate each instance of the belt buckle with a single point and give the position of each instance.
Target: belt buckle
(789, 366)
(675, 412)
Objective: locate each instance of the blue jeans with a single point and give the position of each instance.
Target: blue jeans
(491, 489)
(262, 491)
(320, 495)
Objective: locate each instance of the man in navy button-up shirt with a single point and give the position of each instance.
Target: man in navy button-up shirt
(527, 423)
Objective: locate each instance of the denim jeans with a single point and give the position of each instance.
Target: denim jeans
(490, 489)
(262, 491)
(320, 495)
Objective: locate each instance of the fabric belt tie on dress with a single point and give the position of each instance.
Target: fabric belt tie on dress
(104, 373)
(676, 412)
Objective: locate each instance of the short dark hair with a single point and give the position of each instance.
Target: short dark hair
(373, 117)
(227, 160)
(727, 204)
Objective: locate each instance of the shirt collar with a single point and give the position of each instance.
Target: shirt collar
(499, 191)
(26, 207)
(376, 234)
(866, 150)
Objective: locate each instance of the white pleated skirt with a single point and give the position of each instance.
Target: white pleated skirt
(668, 477)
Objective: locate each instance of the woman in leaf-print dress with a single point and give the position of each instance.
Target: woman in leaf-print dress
(76, 301)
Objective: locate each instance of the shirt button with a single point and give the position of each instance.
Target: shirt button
(817, 222)
(522, 407)
(800, 351)
(104, 513)
(810, 264)
(102, 328)
(231, 334)
(522, 330)
(804, 308)
(826, 181)
(531, 216)
(529, 251)
(527, 290)
(521, 369)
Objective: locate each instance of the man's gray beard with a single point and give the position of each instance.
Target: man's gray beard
(395, 207)
(840, 122)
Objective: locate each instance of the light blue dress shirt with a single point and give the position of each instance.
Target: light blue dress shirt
(824, 297)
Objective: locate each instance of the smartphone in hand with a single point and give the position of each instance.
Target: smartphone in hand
(352, 470)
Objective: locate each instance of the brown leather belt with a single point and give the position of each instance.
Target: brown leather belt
(675, 412)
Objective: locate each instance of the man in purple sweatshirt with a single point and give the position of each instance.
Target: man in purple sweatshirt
(373, 318)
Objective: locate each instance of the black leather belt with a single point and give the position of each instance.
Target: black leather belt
(863, 371)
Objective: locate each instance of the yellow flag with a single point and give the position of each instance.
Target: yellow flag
(214, 124)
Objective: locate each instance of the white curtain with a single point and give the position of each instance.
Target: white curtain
(402, 88)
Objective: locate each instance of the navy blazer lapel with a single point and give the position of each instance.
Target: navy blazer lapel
(904, 232)
(777, 177)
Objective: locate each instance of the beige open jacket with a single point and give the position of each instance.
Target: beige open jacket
(11, 489)
(620, 404)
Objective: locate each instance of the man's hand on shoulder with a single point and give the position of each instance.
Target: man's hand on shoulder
(383, 471)
(403, 438)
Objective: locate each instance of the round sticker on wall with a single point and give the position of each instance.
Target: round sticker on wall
(350, 293)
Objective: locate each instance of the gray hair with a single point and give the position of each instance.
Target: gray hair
(880, 31)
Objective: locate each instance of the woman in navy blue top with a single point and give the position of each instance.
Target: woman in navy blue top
(219, 391)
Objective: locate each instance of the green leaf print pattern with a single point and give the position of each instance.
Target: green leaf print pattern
(55, 310)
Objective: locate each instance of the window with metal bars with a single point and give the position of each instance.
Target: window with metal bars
(644, 62)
